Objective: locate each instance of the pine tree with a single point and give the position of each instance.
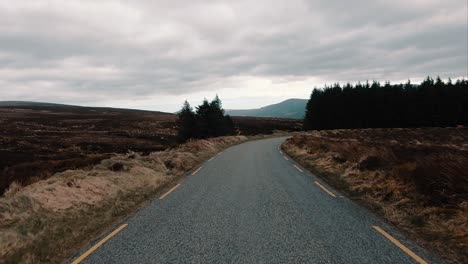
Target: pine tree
(186, 123)
(203, 117)
(217, 119)
(432, 103)
(209, 120)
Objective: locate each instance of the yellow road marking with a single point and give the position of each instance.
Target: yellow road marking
(168, 192)
(325, 189)
(299, 169)
(195, 172)
(285, 158)
(104, 240)
(400, 245)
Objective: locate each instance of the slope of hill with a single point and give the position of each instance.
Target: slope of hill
(40, 139)
(291, 108)
(53, 107)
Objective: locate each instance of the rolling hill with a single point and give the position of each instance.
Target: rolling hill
(40, 139)
(53, 107)
(291, 108)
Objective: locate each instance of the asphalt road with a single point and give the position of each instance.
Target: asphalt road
(251, 205)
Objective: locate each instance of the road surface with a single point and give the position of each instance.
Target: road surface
(251, 204)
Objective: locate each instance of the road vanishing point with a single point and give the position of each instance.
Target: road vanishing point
(253, 204)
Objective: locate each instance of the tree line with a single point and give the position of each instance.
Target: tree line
(208, 120)
(433, 103)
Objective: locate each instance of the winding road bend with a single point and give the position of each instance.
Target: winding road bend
(252, 204)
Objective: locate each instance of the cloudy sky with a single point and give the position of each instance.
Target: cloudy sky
(155, 54)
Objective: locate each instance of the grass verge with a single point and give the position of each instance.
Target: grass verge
(47, 221)
(414, 178)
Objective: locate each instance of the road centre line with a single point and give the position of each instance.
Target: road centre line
(299, 169)
(168, 192)
(325, 189)
(400, 245)
(195, 172)
(100, 243)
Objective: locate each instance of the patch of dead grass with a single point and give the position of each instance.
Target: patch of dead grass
(419, 186)
(45, 221)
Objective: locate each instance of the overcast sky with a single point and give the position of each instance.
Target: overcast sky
(155, 54)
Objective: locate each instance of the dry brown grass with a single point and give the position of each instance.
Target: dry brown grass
(415, 178)
(45, 221)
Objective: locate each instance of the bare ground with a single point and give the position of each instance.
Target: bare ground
(415, 178)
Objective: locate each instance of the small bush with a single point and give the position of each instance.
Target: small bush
(13, 189)
(369, 162)
(118, 166)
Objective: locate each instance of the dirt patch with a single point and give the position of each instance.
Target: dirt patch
(415, 178)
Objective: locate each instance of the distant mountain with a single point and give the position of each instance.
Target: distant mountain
(291, 108)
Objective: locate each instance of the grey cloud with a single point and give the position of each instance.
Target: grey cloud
(114, 49)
